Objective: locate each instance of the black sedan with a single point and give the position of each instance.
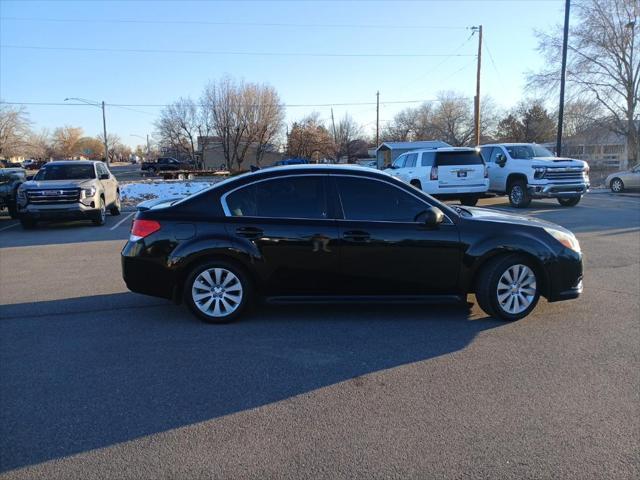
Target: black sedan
(330, 233)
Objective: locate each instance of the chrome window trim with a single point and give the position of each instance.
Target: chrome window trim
(227, 212)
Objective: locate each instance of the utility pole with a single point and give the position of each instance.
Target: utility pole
(335, 137)
(476, 113)
(377, 118)
(148, 147)
(104, 130)
(565, 40)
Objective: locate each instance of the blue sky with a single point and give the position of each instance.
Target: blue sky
(43, 75)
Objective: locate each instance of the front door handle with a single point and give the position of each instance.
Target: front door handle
(249, 232)
(356, 236)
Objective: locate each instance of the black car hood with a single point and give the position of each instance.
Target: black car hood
(491, 215)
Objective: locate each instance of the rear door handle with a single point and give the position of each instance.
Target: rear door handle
(356, 236)
(249, 232)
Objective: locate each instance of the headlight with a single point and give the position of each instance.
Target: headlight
(88, 192)
(538, 172)
(21, 195)
(569, 240)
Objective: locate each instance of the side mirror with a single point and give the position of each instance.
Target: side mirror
(432, 217)
(104, 176)
(501, 159)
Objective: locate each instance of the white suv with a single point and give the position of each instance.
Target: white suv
(447, 173)
(527, 170)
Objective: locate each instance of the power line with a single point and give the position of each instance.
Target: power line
(215, 52)
(234, 24)
(161, 105)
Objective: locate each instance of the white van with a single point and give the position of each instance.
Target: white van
(446, 173)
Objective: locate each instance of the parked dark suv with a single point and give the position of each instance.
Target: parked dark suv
(330, 233)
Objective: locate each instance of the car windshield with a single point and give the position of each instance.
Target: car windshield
(524, 152)
(66, 172)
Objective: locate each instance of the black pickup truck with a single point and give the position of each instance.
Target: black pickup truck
(164, 164)
(10, 180)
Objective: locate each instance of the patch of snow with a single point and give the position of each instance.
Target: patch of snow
(132, 193)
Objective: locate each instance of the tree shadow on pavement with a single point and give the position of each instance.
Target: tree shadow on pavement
(75, 379)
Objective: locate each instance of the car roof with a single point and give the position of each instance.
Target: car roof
(510, 144)
(72, 162)
(441, 149)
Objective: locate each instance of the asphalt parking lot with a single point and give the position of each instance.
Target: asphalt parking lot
(97, 382)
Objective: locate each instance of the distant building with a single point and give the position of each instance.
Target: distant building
(387, 152)
(599, 146)
(211, 154)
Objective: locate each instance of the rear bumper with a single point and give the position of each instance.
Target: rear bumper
(554, 190)
(148, 276)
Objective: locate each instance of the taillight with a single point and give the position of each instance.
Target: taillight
(434, 173)
(486, 172)
(143, 228)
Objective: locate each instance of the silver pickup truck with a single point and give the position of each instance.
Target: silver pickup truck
(72, 189)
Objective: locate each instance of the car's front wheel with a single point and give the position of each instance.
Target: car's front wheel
(617, 185)
(100, 217)
(507, 288)
(569, 201)
(115, 208)
(217, 292)
(518, 195)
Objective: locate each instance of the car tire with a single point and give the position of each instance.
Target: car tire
(100, 217)
(416, 183)
(569, 202)
(115, 208)
(518, 195)
(503, 300)
(28, 223)
(469, 201)
(13, 210)
(617, 185)
(217, 291)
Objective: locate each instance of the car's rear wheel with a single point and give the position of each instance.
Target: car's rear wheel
(518, 195)
(507, 288)
(569, 201)
(416, 183)
(217, 292)
(469, 201)
(100, 217)
(28, 223)
(617, 185)
(115, 208)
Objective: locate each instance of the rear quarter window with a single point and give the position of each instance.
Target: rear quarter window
(445, 159)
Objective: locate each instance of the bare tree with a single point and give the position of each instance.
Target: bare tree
(310, 139)
(602, 64)
(65, 141)
(453, 119)
(39, 145)
(179, 126)
(242, 116)
(14, 130)
(581, 115)
(347, 132)
(91, 147)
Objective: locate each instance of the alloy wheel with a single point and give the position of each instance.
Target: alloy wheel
(516, 289)
(516, 194)
(616, 185)
(217, 292)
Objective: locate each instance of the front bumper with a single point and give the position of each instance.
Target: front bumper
(565, 277)
(71, 211)
(554, 190)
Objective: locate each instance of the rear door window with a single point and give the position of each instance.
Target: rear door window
(447, 159)
(486, 153)
(411, 160)
(372, 200)
(291, 197)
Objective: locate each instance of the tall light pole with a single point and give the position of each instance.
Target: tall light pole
(563, 73)
(104, 122)
(476, 105)
(140, 136)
